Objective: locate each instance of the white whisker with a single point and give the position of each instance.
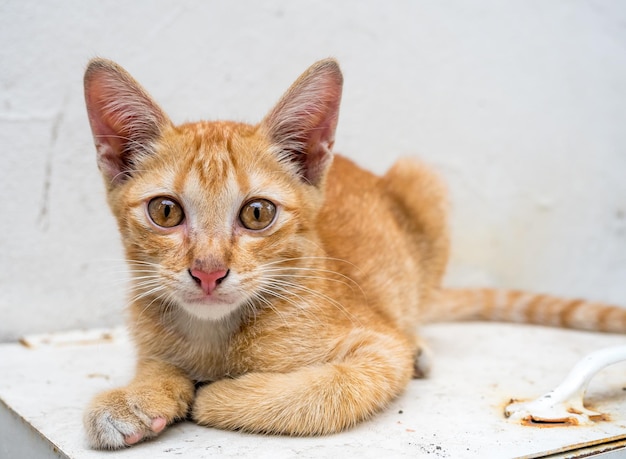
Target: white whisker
(321, 296)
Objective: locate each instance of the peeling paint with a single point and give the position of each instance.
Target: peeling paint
(43, 218)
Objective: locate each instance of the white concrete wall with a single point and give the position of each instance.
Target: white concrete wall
(520, 104)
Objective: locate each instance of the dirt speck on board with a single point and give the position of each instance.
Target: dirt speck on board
(431, 448)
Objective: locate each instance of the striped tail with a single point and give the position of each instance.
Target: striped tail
(523, 307)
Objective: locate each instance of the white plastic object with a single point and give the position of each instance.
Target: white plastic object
(564, 404)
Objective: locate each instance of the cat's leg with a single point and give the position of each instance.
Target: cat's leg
(158, 395)
(422, 359)
(369, 370)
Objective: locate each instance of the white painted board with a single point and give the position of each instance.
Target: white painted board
(457, 412)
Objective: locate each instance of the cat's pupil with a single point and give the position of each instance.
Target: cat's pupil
(167, 210)
(257, 213)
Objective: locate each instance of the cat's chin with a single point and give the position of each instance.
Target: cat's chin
(209, 309)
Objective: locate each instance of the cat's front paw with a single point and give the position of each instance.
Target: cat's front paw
(122, 417)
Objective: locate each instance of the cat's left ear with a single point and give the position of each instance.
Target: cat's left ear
(124, 119)
(302, 125)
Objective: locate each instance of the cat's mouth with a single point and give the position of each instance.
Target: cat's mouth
(210, 307)
(209, 300)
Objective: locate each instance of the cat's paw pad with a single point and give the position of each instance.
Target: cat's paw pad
(156, 426)
(116, 419)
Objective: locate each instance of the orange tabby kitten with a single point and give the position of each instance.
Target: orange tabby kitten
(285, 283)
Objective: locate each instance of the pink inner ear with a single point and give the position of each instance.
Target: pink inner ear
(303, 122)
(124, 119)
(108, 142)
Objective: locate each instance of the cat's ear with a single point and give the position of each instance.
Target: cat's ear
(124, 119)
(302, 125)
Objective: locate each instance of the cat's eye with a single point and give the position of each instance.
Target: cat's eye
(165, 212)
(257, 214)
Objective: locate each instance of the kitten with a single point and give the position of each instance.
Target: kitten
(285, 282)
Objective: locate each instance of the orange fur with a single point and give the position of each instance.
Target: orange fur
(312, 328)
(527, 307)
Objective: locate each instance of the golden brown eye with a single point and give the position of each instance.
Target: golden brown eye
(165, 212)
(257, 214)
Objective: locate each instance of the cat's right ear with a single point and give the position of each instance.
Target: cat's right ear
(124, 119)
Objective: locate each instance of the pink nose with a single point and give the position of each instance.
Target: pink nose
(208, 281)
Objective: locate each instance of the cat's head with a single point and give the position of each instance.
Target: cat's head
(212, 213)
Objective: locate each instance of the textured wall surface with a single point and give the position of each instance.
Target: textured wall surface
(521, 105)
